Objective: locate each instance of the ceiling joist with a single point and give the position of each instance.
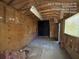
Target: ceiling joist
(47, 10)
(43, 5)
(10, 2)
(51, 13)
(24, 6)
(20, 2)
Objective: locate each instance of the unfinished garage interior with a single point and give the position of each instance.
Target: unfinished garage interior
(39, 29)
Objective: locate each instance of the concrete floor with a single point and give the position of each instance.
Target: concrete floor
(45, 49)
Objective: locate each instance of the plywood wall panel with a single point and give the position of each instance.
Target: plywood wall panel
(70, 43)
(53, 30)
(17, 31)
(1, 13)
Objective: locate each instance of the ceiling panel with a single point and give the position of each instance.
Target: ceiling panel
(45, 7)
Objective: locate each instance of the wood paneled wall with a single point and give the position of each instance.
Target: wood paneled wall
(53, 30)
(70, 43)
(16, 29)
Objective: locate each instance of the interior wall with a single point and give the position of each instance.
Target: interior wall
(16, 29)
(53, 30)
(70, 43)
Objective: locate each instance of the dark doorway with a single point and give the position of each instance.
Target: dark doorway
(43, 28)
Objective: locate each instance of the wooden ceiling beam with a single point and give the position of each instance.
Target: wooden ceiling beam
(50, 16)
(20, 2)
(51, 13)
(23, 6)
(3, 1)
(43, 6)
(48, 10)
(10, 2)
(26, 5)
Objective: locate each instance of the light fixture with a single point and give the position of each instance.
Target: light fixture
(35, 12)
(1, 17)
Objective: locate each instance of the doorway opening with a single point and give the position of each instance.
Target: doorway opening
(44, 28)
